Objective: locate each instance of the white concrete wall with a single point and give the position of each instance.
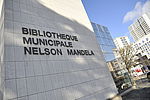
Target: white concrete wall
(1, 49)
(42, 77)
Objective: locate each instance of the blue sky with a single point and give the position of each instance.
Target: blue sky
(117, 15)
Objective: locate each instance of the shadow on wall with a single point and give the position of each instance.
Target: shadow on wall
(85, 77)
(1, 49)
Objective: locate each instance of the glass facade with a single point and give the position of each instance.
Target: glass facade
(105, 41)
(106, 44)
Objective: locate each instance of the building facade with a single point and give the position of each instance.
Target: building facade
(120, 75)
(121, 42)
(1, 49)
(140, 31)
(142, 47)
(48, 51)
(105, 41)
(140, 27)
(107, 46)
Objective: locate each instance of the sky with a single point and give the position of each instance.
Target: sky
(117, 15)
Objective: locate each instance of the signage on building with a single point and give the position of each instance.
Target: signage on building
(37, 39)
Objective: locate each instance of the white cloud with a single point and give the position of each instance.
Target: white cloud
(138, 10)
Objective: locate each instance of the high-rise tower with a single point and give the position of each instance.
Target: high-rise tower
(140, 27)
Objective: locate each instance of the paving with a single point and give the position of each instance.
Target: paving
(141, 92)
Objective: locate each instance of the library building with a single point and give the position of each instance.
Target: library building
(48, 51)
